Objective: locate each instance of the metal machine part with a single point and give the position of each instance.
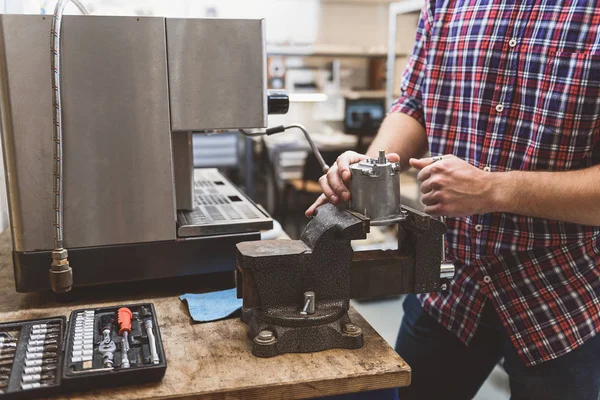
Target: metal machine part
(151, 341)
(130, 86)
(296, 293)
(219, 207)
(375, 188)
(116, 150)
(217, 73)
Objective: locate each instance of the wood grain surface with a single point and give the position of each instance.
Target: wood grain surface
(214, 360)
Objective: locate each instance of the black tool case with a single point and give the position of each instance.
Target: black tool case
(46, 356)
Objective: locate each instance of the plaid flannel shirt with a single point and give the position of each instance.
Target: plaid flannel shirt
(513, 85)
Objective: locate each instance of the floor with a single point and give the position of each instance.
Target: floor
(385, 316)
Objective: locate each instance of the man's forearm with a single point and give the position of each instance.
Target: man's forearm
(402, 134)
(571, 196)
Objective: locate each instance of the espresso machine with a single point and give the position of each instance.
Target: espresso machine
(113, 196)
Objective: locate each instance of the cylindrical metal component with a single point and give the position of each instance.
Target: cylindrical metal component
(151, 341)
(125, 350)
(41, 342)
(447, 270)
(351, 330)
(309, 303)
(375, 190)
(265, 338)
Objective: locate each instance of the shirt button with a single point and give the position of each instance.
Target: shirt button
(478, 228)
(500, 107)
(487, 279)
(487, 168)
(512, 42)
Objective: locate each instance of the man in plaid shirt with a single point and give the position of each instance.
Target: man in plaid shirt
(508, 94)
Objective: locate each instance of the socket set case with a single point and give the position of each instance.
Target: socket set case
(46, 356)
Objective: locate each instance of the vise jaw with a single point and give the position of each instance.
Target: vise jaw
(296, 293)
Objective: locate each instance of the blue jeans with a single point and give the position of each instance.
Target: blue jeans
(444, 368)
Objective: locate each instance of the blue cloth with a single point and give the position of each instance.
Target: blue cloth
(444, 368)
(212, 306)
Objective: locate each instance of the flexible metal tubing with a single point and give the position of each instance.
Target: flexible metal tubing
(312, 144)
(57, 125)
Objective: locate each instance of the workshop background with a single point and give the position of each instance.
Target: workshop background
(331, 57)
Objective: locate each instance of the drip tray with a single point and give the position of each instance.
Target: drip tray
(219, 208)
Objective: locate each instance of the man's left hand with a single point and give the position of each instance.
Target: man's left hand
(454, 188)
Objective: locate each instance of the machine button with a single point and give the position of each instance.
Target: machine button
(512, 42)
(487, 168)
(487, 279)
(478, 228)
(500, 107)
(278, 102)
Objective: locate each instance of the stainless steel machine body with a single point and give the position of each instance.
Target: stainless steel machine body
(134, 88)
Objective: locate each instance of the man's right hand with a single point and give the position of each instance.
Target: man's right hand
(334, 182)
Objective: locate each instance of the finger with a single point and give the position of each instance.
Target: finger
(327, 190)
(319, 202)
(426, 186)
(430, 184)
(435, 210)
(425, 173)
(393, 157)
(429, 199)
(335, 181)
(344, 161)
(420, 163)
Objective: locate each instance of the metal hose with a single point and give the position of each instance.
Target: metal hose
(61, 277)
(313, 146)
(282, 128)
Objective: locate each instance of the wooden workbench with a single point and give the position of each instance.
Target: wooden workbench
(213, 361)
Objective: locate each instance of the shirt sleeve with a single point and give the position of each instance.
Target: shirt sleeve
(410, 101)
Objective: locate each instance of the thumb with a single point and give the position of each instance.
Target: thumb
(393, 157)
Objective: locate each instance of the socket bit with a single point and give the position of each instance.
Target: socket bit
(8, 345)
(42, 326)
(38, 362)
(83, 347)
(45, 331)
(41, 349)
(8, 357)
(35, 385)
(37, 378)
(38, 370)
(43, 337)
(41, 342)
(3, 383)
(38, 356)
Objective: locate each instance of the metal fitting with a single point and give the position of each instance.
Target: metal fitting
(60, 254)
(447, 270)
(351, 330)
(265, 337)
(60, 274)
(309, 303)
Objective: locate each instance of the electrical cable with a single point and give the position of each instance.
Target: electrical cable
(281, 128)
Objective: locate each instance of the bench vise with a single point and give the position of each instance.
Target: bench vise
(296, 293)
